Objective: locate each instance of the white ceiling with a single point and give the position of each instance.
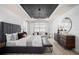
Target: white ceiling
(60, 10)
(19, 11)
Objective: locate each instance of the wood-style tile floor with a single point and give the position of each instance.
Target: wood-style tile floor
(59, 50)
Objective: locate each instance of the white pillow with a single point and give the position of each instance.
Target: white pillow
(35, 33)
(15, 36)
(12, 37)
(43, 34)
(8, 37)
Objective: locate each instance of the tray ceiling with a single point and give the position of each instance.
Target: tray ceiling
(39, 10)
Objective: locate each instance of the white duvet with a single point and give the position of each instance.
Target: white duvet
(37, 42)
(26, 41)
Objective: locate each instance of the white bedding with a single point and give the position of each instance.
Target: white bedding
(27, 41)
(20, 42)
(37, 42)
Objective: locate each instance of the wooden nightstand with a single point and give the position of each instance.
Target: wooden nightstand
(2, 45)
(2, 48)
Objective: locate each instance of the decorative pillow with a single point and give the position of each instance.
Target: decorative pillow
(33, 33)
(24, 34)
(21, 35)
(43, 34)
(15, 36)
(9, 37)
(46, 33)
(37, 33)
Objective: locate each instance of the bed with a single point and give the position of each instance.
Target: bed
(27, 44)
(30, 44)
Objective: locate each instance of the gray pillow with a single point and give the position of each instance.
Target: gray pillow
(15, 36)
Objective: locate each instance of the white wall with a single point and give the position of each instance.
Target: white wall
(74, 15)
(12, 14)
(7, 16)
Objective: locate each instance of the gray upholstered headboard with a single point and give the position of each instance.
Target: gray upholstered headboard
(8, 28)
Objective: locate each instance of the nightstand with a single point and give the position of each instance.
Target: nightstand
(2, 48)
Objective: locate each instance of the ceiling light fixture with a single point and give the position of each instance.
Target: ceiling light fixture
(39, 9)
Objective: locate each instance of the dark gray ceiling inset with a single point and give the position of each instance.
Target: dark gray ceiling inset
(39, 10)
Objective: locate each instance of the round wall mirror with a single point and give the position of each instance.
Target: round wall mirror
(66, 24)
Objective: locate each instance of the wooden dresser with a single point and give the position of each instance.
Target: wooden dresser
(67, 41)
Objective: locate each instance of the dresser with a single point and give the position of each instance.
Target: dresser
(67, 41)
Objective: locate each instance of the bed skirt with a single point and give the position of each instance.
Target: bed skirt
(24, 49)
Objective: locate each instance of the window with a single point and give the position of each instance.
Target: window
(40, 27)
(25, 26)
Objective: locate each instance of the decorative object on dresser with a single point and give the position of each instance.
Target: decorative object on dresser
(67, 41)
(65, 26)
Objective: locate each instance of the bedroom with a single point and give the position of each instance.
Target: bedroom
(31, 29)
